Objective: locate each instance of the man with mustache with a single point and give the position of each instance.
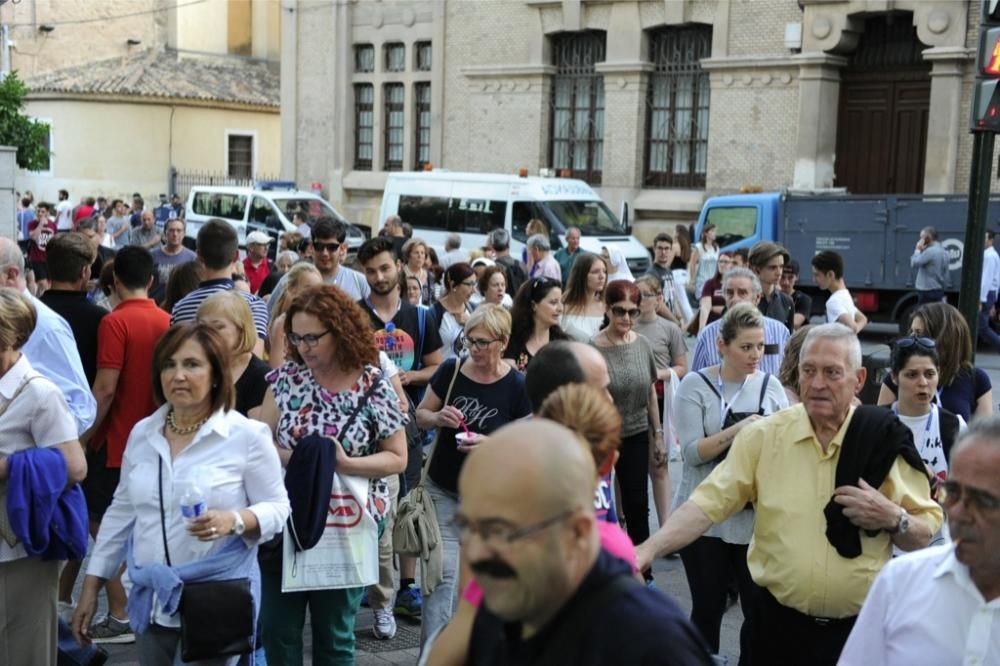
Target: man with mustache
(821, 531)
(550, 594)
(939, 605)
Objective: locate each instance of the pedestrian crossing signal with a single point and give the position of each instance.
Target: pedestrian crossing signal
(986, 106)
(989, 52)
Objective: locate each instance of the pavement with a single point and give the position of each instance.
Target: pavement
(669, 573)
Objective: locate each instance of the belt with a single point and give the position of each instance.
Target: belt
(824, 622)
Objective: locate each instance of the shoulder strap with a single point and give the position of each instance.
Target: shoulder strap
(163, 515)
(709, 382)
(20, 387)
(763, 390)
(574, 625)
(418, 361)
(437, 434)
(361, 405)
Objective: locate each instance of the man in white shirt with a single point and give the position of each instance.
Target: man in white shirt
(941, 605)
(988, 286)
(828, 272)
(64, 212)
(453, 252)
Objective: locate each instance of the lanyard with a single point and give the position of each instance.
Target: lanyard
(930, 417)
(724, 406)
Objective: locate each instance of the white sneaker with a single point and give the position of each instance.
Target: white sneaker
(385, 624)
(66, 609)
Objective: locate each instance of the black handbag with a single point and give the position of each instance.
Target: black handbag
(216, 615)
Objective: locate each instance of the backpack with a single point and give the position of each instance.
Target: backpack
(515, 272)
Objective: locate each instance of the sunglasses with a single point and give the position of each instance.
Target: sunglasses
(326, 247)
(631, 313)
(920, 341)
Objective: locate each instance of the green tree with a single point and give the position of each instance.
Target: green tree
(29, 136)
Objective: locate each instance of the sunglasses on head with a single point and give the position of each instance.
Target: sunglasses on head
(920, 341)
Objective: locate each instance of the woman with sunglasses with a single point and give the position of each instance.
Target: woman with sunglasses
(963, 389)
(536, 313)
(712, 405)
(914, 365)
(632, 367)
(452, 310)
(710, 299)
(486, 394)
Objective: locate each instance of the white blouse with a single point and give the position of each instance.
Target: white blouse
(581, 327)
(239, 461)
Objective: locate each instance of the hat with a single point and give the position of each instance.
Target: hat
(483, 261)
(258, 237)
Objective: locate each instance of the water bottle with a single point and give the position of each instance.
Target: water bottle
(194, 502)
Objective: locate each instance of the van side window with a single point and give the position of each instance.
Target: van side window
(219, 204)
(451, 214)
(520, 215)
(733, 224)
(263, 215)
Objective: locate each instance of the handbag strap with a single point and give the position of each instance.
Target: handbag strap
(163, 514)
(763, 391)
(361, 405)
(437, 435)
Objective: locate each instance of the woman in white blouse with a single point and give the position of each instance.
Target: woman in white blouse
(583, 299)
(33, 414)
(195, 440)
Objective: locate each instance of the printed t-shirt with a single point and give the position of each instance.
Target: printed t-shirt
(126, 340)
(485, 407)
(404, 345)
(37, 254)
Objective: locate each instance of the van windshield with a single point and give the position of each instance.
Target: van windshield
(592, 217)
(313, 208)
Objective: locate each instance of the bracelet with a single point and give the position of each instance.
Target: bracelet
(658, 430)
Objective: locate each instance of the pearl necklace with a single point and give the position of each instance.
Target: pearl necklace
(187, 430)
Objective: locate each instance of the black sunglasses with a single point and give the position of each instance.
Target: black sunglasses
(920, 341)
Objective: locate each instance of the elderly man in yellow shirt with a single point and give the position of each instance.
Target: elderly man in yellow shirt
(808, 594)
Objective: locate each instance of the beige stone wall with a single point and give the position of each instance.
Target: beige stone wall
(758, 26)
(194, 139)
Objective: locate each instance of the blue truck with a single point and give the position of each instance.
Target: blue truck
(875, 234)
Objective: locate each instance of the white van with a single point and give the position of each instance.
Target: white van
(268, 207)
(438, 203)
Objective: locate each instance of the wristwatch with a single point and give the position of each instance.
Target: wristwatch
(903, 525)
(239, 527)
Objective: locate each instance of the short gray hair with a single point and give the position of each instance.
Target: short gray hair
(291, 255)
(986, 429)
(500, 239)
(740, 272)
(839, 333)
(11, 255)
(453, 242)
(539, 242)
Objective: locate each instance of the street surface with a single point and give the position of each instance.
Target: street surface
(669, 573)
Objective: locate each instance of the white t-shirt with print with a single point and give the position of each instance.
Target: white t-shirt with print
(839, 303)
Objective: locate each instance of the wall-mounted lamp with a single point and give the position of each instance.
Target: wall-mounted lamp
(133, 42)
(46, 28)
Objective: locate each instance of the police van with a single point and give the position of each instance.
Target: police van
(439, 202)
(268, 207)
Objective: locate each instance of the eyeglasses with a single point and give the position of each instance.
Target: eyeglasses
(470, 283)
(477, 344)
(311, 339)
(499, 533)
(648, 294)
(910, 340)
(326, 247)
(631, 313)
(953, 492)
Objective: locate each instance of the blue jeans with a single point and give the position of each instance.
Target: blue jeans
(439, 605)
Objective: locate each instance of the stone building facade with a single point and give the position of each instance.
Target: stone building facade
(658, 103)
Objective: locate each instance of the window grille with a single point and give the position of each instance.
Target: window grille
(578, 105)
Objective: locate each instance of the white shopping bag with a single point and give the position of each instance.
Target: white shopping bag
(347, 553)
(670, 438)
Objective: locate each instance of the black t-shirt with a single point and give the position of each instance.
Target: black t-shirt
(406, 346)
(251, 386)
(486, 407)
(83, 318)
(803, 304)
(639, 627)
(780, 308)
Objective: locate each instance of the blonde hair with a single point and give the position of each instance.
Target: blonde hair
(494, 318)
(739, 318)
(233, 307)
(788, 375)
(293, 286)
(17, 319)
(589, 414)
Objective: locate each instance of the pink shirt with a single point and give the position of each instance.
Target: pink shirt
(613, 539)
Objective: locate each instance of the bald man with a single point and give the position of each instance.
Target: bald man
(550, 594)
(564, 362)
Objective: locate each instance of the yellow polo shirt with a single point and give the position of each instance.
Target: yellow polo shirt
(778, 464)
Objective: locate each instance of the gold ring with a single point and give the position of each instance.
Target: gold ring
(214, 530)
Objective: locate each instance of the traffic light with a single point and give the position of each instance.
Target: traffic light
(986, 97)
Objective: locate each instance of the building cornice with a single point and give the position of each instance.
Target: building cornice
(506, 71)
(753, 62)
(91, 98)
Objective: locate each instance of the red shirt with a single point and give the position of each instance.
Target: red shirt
(255, 276)
(37, 253)
(82, 212)
(126, 339)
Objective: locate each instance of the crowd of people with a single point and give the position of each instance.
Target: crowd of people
(245, 440)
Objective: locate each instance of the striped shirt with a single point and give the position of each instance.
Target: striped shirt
(186, 309)
(706, 351)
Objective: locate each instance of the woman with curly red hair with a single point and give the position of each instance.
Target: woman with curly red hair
(330, 386)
